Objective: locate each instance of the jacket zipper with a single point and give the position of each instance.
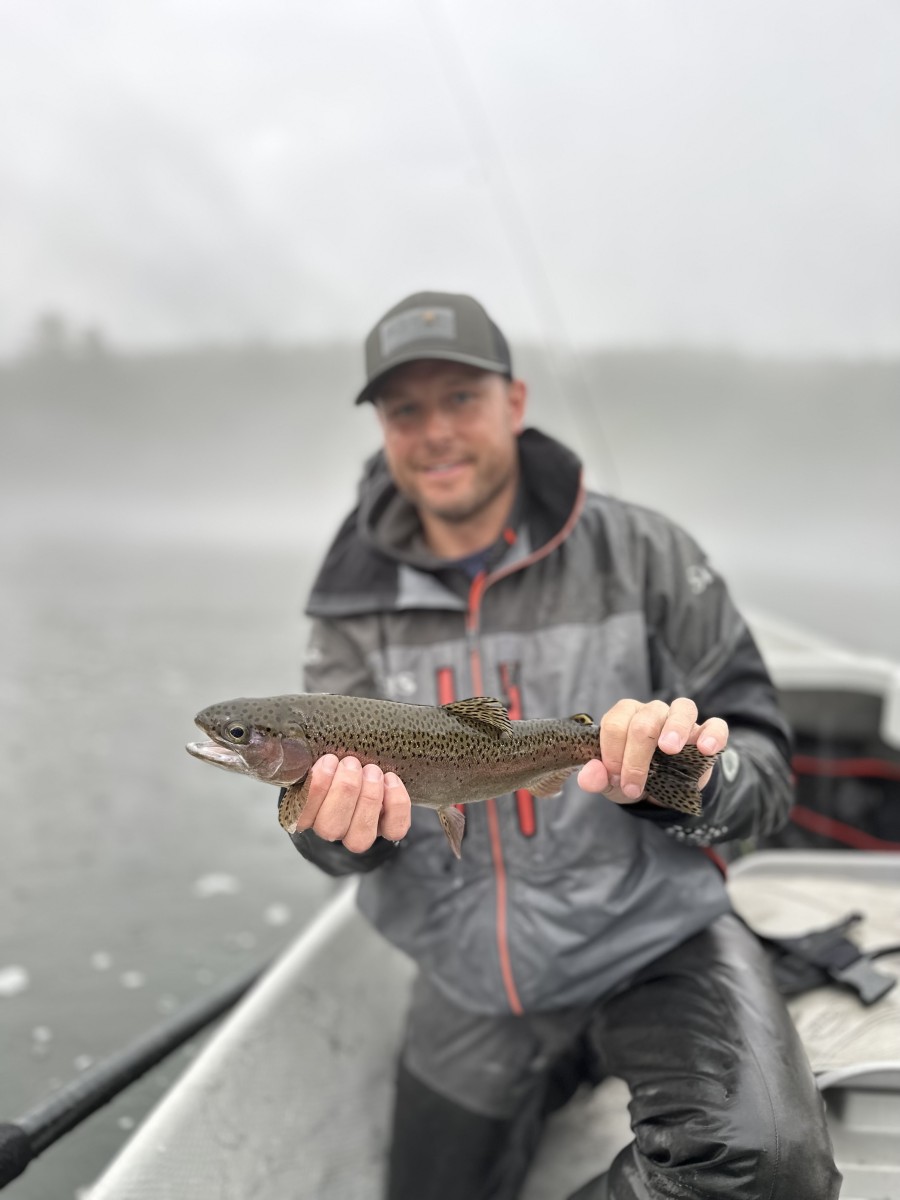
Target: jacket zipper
(478, 587)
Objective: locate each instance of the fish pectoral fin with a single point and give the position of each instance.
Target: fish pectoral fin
(453, 823)
(486, 713)
(292, 803)
(551, 784)
(672, 780)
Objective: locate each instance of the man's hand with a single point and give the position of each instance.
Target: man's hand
(353, 804)
(629, 734)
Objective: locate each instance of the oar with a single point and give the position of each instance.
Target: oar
(23, 1140)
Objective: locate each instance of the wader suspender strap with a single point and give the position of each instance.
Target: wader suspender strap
(823, 956)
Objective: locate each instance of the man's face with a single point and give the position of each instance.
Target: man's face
(450, 435)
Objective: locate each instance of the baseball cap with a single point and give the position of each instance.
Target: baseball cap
(440, 325)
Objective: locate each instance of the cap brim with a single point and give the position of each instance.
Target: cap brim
(469, 360)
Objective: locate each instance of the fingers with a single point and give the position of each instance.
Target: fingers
(711, 736)
(353, 804)
(630, 734)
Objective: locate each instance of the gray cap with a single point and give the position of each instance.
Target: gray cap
(434, 325)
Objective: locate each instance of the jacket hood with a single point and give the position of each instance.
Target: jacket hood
(383, 534)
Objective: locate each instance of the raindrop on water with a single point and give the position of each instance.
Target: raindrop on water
(13, 980)
(277, 914)
(216, 883)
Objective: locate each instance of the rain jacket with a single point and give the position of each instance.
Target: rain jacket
(584, 600)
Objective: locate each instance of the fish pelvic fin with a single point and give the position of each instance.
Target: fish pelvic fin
(292, 803)
(672, 780)
(551, 784)
(486, 713)
(453, 823)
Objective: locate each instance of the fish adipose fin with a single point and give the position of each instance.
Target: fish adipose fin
(672, 780)
(486, 713)
(292, 803)
(552, 784)
(453, 823)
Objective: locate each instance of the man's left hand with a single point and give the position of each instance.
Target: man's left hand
(630, 733)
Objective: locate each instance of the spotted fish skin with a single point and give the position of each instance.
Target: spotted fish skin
(458, 753)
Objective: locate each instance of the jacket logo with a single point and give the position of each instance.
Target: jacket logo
(400, 686)
(699, 577)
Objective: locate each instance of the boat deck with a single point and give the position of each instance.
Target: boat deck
(293, 1094)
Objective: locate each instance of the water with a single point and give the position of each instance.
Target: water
(161, 523)
(135, 878)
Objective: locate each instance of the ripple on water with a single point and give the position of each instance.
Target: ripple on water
(216, 883)
(277, 914)
(13, 980)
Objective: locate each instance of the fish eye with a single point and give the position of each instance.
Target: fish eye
(237, 732)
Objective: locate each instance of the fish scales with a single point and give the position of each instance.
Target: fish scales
(459, 753)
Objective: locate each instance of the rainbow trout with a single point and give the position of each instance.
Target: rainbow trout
(458, 753)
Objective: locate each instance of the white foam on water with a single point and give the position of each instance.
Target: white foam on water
(13, 981)
(216, 883)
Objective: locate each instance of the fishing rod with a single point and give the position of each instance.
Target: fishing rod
(488, 152)
(23, 1140)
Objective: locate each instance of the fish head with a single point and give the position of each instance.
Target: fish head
(260, 737)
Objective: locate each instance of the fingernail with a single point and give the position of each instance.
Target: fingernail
(327, 766)
(615, 780)
(707, 745)
(371, 773)
(351, 765)
(632, 791)
(671, 741)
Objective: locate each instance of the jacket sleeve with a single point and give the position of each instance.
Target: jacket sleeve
(701, 647)
(336, 663)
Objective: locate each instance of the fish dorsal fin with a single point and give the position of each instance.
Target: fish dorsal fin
(552, 784)
(486, 713)
(582, 718)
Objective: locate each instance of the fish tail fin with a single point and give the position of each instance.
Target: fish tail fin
(453, 823)
(672, 780)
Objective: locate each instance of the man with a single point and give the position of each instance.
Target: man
(581, 935)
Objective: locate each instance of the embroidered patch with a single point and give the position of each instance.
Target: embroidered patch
(414, 325)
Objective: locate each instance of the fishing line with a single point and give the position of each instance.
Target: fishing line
(526, 253)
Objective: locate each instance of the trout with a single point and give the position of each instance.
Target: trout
(455, 754)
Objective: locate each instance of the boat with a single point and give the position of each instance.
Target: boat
(292, 1095)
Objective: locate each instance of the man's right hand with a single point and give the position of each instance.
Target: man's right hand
(353, 804)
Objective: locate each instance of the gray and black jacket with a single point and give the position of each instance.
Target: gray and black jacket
(584, 600)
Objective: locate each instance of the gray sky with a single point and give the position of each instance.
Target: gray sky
(613, 171)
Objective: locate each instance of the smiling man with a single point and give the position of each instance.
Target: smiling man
(582, 935)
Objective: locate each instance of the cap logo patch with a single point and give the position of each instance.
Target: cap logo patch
(416, 324)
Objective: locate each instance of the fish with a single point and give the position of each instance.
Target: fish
(449, 755)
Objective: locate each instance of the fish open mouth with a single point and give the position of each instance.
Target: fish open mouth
(226, 757)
